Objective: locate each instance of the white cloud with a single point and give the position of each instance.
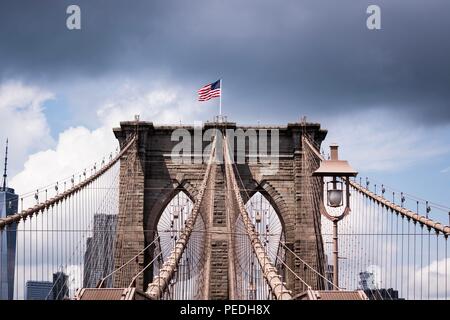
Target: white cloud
(22, 120)
(374, 140)
(78, 148)
(159, 105)
(445, 170)
(436, 274)
(159, 100)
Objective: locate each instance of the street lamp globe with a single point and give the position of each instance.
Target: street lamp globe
(335, 195)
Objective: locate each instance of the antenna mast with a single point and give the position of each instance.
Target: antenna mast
(5, 175)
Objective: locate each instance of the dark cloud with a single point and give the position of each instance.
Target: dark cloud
(287, 57)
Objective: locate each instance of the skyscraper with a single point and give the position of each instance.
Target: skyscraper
(8, 206)
(329, 271)
(367, 280)
(60, 288)
(368, 284)
(101, 244)
(39, 290)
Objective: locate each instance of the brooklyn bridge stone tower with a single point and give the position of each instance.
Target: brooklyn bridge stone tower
(157, 178)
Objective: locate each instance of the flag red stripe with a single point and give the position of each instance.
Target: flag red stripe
(204, 89)
(205, 93)
(210, 92)
(209, 96)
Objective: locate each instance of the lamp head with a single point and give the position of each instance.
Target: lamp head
(335, 167)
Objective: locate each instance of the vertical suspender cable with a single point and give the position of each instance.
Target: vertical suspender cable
(402, 235)
(446, 267)
(407, 260)
(421, 261)
(437, 265)
(414, 260)
(429, 262)
(396, 256)
(2, 233)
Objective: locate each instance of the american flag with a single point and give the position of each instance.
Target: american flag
(209, 91)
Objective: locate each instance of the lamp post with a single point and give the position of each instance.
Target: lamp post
(339, 171)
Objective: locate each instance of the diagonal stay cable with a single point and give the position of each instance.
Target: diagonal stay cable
(143, 269)
(292, 271)
(126, 263)
(311, 268)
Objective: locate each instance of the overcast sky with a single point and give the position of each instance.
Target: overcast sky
(383, 95)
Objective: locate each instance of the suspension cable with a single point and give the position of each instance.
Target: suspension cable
(126, 263)
(49, 203)
(423, 220)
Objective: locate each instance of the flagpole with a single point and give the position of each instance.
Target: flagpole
(220, 101)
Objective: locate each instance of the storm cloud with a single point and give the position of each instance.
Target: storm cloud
(283, 58)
